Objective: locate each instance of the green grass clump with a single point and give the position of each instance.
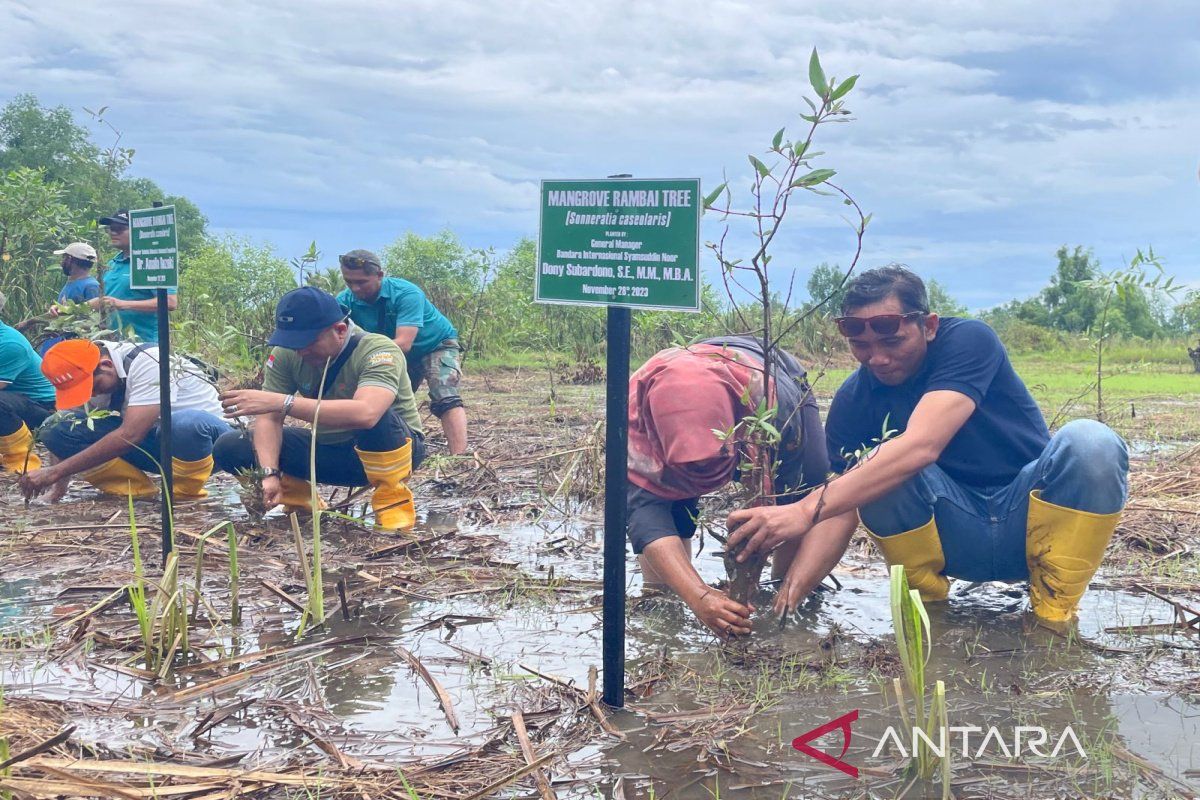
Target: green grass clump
(911, 626)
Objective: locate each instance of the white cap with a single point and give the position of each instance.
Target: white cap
(81, 250)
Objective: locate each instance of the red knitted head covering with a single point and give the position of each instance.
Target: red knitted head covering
(676, 402)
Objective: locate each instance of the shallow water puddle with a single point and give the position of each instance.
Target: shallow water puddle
(705, 719)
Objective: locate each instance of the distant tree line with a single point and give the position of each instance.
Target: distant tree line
(56, 180)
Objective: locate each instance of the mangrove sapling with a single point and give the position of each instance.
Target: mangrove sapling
(198, 579)
(169, 612)
(76, 319)
(137, 591)
(773, 191)
(250, 491)
(307, 262)
(754, 433)
(316, 588)
(235, 613)
(910, 623)
(163, 622)
(313, 579)
(1123, 284)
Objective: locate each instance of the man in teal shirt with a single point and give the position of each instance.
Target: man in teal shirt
(128, 308)
(399, 310)
(26, 399)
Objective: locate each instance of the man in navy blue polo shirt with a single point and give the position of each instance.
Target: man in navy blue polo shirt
(947, 460)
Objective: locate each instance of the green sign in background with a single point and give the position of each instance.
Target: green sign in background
(620, 241)
(153, 249)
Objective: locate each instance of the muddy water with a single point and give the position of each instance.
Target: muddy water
(1112, 689)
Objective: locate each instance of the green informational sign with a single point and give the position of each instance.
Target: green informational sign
(153, 249)
(620, 242)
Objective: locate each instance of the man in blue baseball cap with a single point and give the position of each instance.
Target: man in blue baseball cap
(368, 431)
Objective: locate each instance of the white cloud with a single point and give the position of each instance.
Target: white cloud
(446, 114)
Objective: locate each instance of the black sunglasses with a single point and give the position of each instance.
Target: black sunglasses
(882, 324)
(356, 262)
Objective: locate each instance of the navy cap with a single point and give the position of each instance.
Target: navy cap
(301, 316)
(119, 218)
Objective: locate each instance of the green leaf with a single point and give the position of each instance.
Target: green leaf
(713, 195)
(760, 166)
(816, 76)
(800, 148)
(813, 178)
(808, 118)
(778, 140)
(843, 88)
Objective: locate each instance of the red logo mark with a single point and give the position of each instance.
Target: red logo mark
(801, 743)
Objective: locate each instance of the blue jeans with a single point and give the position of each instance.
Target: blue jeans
(1085, 467)
(337, 464)
(193, 434)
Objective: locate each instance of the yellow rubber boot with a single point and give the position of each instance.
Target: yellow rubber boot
(391, 498)
(920, 551)
(297, 495)
(15, 448)
(1064, 548)
(189, 477)
(121, 478)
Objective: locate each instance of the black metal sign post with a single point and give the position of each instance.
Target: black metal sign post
(166, 458)
(164, 388)
(616, 447)
(164, 420)
(620, 243)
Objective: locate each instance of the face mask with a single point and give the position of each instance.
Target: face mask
(66, 269)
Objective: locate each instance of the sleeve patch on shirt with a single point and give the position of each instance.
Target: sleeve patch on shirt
(383, 357)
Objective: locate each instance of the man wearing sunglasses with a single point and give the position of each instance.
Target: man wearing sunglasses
(399, 310)
(948, 462)
(128, 309)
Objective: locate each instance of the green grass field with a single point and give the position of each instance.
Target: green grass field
(1146, 400)
(1151, 392)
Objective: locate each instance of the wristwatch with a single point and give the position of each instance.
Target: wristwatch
(272, 472)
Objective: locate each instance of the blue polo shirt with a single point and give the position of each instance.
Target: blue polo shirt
(80, 291)
(116, 284)
(1006, 432)
(21, 367)
(401, 304)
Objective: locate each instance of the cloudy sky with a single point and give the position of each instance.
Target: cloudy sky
(985, 134)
